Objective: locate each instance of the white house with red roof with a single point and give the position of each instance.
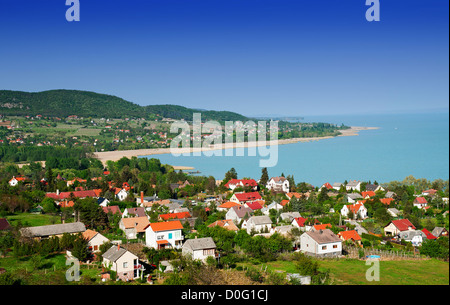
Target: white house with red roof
(15, 180)
(420, 202)
(234, 183)
(242, 198)
(358, 210)
(395, 227)
(161, 235)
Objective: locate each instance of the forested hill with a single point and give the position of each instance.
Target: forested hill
(63, 103)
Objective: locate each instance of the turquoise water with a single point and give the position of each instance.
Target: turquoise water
(406, 144)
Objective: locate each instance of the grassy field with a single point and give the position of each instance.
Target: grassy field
(33, 220)
(353, 272)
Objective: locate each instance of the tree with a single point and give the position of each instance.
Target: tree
(231, 174)
(264, 177)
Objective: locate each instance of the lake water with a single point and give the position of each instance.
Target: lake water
(406, 144)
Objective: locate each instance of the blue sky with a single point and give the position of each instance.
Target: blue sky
(255, 57)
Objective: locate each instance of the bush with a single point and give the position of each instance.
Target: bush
(254, 275)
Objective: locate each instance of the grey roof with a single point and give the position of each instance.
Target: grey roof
(354, 196)
(323, 236)
(437, 231)
(58, 229)
(290, 215)
(371, 187)
(337, 184)
(260, 220)
(408, 235)
(114, 253)
(353, 183)
(241, 211)
(199, 243)
(390, 194)
(284, 229)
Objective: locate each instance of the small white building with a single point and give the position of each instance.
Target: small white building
(199, 248)
(161, 235)
(353, 186)
(320, 243)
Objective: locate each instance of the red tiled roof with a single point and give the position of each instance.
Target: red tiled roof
(387, 201)
(403, 224)
(351, 234)
(244, 182)
(248, 196)
(76, 194)
(284, 202)
(301, 221)
(113, 209)
(166, 226)
(180, 215)
(322, 226)
(255, 205)
(428, 234)
(421, 200)
(368, 193)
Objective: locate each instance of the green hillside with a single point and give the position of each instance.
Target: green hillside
(62, 103)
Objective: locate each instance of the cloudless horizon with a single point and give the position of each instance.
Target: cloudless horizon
(254, 57)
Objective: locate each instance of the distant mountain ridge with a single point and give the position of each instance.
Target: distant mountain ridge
(63, 103)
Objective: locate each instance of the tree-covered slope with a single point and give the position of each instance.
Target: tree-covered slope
(62, 103)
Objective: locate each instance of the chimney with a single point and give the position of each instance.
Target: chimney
(142, 197)
(320, 231)
(118, 247)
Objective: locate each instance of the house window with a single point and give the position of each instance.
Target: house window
(125, 264)
(324, 247)
(170, 235)
(334, 246)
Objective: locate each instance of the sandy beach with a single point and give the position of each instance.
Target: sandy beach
(116, 155)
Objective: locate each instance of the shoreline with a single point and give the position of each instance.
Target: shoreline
(117, 154)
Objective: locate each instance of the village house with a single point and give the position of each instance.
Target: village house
(439, 232)
(15, 180)
(353, 185)
(395, 227)
(327, 186)
(199, 248)
(161, 235)
(300, 222)
(226, 206)
(374, 187)
(420, 202)
(242, 198)
(258, 224)
(430, 192)
(120, 193)
(416, 237)
(358, 210)
(254, 205)
(134, 227)
(113, 209)
(238, 213)
(94, 239)
(278, 184)
(234, 183)
(273, 206)
(321, 243)
(351, 235)
(123, 262)
(169, 216)
(289, 216)
(337, 185)
(134, 212)
(353, 197)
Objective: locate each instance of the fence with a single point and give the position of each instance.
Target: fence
(384, 254)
